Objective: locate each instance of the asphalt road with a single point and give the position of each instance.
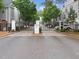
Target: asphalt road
(45, 46)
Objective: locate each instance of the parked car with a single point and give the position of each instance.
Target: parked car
(56, 27)
(67, 27)
(31, 24)
(49, 25)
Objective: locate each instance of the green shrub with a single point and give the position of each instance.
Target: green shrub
(63, 30)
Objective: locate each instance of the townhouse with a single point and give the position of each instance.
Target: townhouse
(7, 15)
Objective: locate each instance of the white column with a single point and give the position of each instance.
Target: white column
(6, 14)
(16, 13)
(9, 15)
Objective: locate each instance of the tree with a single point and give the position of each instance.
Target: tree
(71, 17)
(27, 9)
(50, 11)
(1, 5)
(60, 1)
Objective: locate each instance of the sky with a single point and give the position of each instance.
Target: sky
(40, 6)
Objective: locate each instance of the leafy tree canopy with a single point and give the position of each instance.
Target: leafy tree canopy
(71, 16)
(27, 9)
(50, 11)
(1, 5)
(60, 1)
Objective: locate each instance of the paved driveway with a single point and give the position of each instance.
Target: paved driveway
(49, 45)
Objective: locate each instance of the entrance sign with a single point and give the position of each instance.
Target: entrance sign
(13, 25)
(36, 27)
(38, 22)
(60, 24)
